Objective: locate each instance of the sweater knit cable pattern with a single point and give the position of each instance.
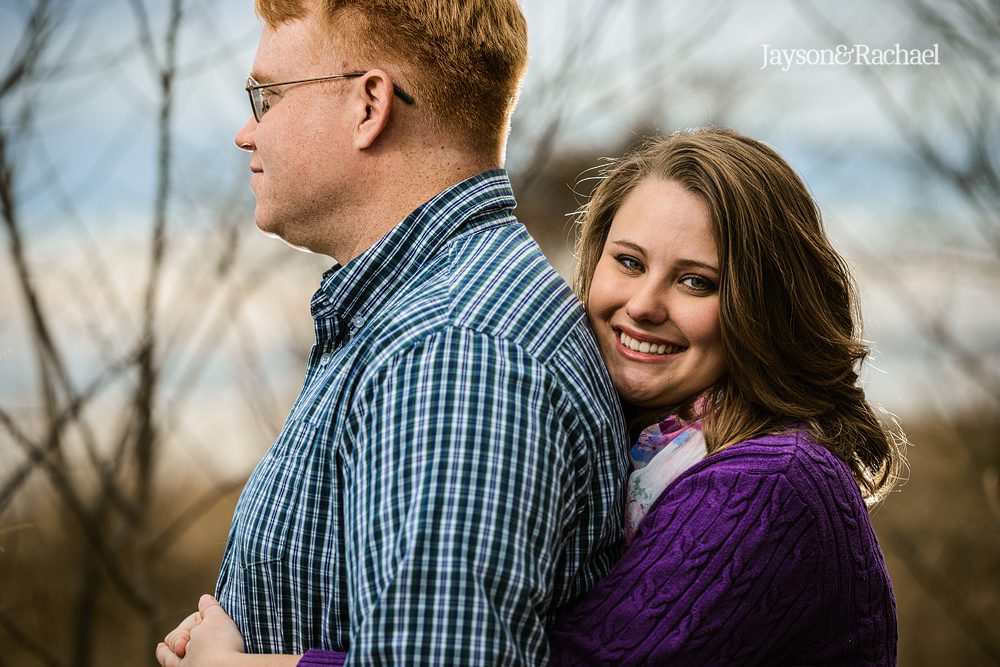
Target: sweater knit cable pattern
(761, 554)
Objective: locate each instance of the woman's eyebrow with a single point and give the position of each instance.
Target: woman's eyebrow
(632, 246)
(692, 263)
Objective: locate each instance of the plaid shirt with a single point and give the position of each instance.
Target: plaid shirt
(452, 471)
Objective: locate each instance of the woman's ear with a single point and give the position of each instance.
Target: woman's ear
(376, 99)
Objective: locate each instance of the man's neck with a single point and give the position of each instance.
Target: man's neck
(395, 188)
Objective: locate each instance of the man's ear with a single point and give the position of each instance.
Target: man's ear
(375, 97)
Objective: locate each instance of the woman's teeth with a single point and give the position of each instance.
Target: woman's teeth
(647, 348)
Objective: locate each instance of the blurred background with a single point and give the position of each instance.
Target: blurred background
(152, 340)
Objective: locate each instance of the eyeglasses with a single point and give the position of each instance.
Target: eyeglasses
(261, 104)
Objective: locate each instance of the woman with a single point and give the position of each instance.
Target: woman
(730, 328)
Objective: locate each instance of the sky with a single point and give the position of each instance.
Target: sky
(85, 169)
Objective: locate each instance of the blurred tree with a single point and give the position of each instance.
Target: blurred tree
(949, 122)
(98, 443)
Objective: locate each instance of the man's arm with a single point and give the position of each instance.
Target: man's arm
(456, 504)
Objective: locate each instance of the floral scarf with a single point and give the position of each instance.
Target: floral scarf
(663, 451)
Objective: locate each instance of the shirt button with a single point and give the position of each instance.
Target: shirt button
(357, 321)
(325, 359)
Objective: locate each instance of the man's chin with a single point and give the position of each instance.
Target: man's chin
(267, 227)
(276, 232)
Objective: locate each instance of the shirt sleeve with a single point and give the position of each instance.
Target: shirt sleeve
(721, 571)
(460, 487)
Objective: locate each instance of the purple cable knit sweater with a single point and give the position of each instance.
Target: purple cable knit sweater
(762, 554)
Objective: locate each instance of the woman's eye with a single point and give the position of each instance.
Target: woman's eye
(698, 283)
(629, 263)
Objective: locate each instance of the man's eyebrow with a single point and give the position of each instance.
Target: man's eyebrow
(257, 76)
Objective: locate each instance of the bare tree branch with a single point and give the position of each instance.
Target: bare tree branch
(977, 181)
(69, 414)
(91, 530)
(32, 647)
(959, 36)
(200, 506)
(146, 35)
(32, 43)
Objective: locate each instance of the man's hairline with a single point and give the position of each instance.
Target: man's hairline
(323, 32)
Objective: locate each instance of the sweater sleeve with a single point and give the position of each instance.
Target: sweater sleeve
(317, 658)
(722, 571)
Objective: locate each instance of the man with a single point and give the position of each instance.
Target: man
(450, 474)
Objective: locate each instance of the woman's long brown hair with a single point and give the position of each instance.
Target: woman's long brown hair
(789, 311)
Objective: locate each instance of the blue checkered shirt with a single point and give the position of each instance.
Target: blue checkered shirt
(451, 472)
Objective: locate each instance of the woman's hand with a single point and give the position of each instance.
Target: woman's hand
(177, 639)
(206, 637)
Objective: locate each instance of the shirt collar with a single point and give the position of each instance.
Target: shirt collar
(356, 289)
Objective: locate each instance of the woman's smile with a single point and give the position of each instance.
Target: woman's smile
(645, 348)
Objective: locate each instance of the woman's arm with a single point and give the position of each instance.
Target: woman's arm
(725, 568)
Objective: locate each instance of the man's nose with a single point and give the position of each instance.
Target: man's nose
(244, 139)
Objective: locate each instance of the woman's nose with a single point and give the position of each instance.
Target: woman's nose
(648, 304)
